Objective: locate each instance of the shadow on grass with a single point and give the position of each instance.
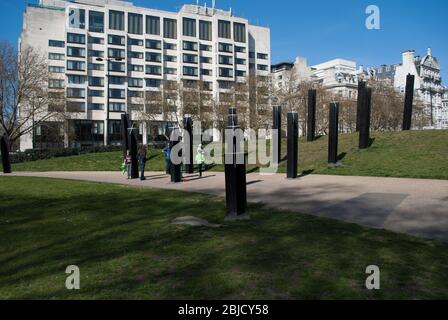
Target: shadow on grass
(342, 156)
(126, 247)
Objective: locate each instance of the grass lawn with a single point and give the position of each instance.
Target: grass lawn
(122, 241)
(412, 154)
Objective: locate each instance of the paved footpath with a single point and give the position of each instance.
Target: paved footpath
(413, 206)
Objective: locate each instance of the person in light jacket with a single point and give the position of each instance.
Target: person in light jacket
(200, 159)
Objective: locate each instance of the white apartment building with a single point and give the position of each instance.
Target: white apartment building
(338, 75)
(445, 108)
(428, 83)
(141, 49)
(341, 76)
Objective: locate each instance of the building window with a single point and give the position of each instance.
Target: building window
(239, 32)
(76, 65)
(225, 60)
(240, 49)
(95, 93)
(190, 71)
(54, 69)
(135, 82)
(206, 60)
(76, 93)
(153, 83)
(56, 56)
(135, 42)
(190, 58)
(76, 52)
(117, 66)
(73, 106)
(225, 47)
(135, 55)
(117, 80)
(262, 56)
(96, 53)
(205, 47)
(96, 40)
(96, 81)
(252, 55)
(170, 46)
(168, 58)
(190, 46)
(153, 57)
(76, 38)
(206, 72)
(117, 107)
(170, 28)
(169, 70)
(116, 20)
(189, 27)
(240, 73)
(205, 30)
(77, 18)
(55, 83)
(117, 93)
(135, 23)
(96, 106)
(262, 67)
(135, 94)
(153, 25)
(116, 53)
(155, 70)
(56, 43)
(96, 21)
(73, 79)
(153, 44)
(96, 66)
(116, 40)
(240, 61)
(225, 72)
(224, 29)
(136, 68)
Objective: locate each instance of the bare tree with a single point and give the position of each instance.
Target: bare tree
(26, 102)
(388, 105)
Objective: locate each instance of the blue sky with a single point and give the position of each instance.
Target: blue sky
(319, 30)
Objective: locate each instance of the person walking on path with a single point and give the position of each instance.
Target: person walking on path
(167, 152)
(142, 162)
(200, 159)
(128, 163)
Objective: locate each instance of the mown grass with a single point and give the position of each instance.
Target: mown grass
(411, 154)
(123, 242)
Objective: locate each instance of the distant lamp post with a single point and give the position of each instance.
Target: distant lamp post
(108, 94)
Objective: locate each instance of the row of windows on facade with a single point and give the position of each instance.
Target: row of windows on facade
(149, 44)
(156, 69)
(149, 56)
(151, 83)
(190, 27)
(80, 106)
(84, 129)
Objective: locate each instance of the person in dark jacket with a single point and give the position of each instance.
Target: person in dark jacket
(142, 162)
